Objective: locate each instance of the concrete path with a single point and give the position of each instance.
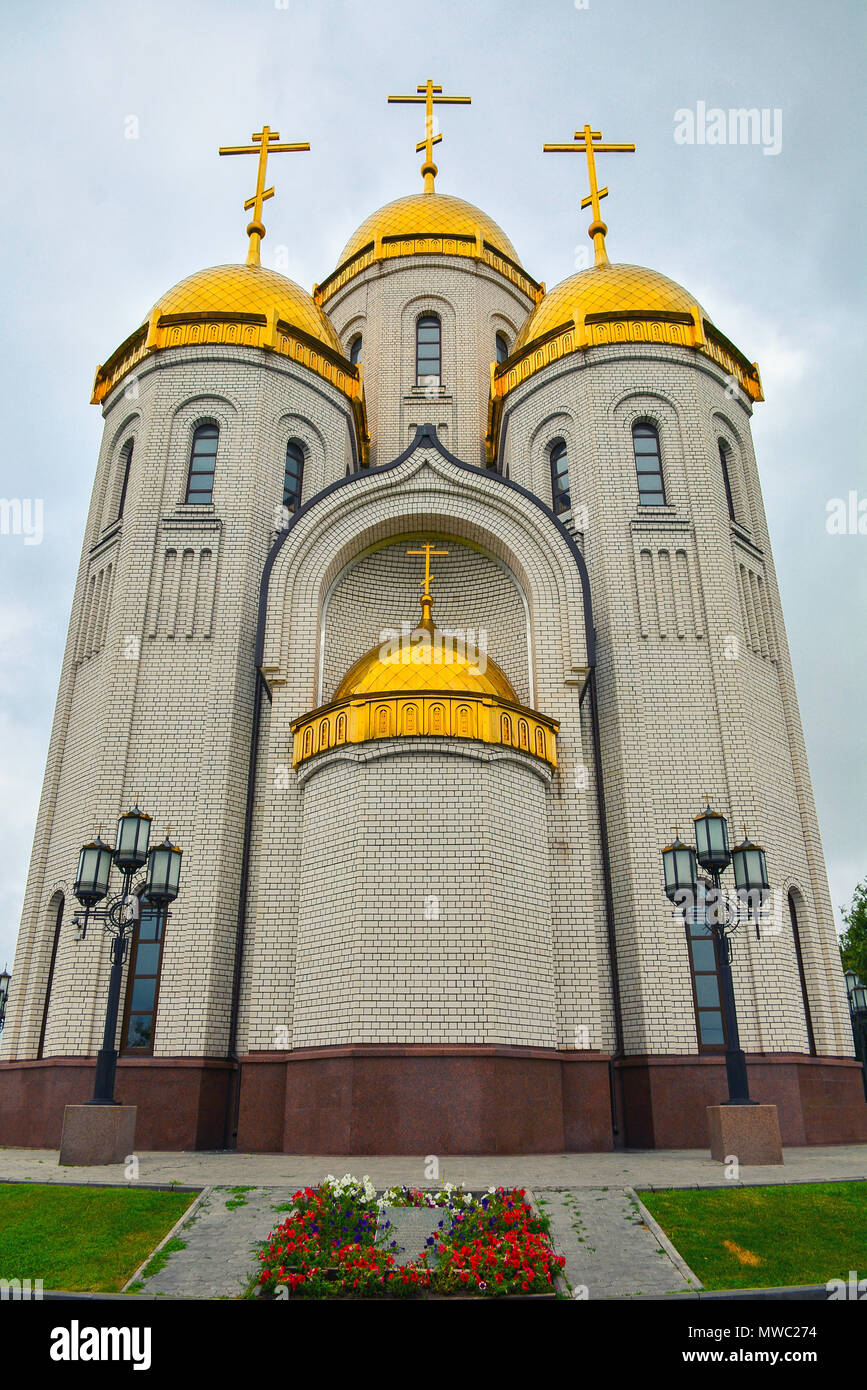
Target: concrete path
(624, 1168)
(610, 1251)
(221, 1240)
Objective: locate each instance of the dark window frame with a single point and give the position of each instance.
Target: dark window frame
(796, 937)
(126, 454)
(647, 430)
(501, 347)
(725, 453)
(698, 930)
(149, 914)
(292, 497)
(355, 346)
(204, 431)
(561, 497)
(424, 323)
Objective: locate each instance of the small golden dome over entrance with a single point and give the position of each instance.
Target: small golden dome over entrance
(427, 683)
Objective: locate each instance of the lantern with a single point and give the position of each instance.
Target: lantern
(164, 873)
(679, 869)
(94, 867)
(133, 833)
(712, 839)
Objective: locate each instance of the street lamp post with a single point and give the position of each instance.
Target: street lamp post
(120, 914)
(713, 853)
(5, 977)
(857, 995)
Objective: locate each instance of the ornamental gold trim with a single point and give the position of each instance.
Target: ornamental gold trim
(413, 715)
(608, 330)
(427, 244)
(270, 333)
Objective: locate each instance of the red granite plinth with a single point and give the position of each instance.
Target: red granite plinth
(95, 1134)
(749, 1133)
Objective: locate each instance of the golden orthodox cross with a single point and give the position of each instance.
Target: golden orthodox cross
(429, 95)
(264, 143)
(591, 147)
(427, 550)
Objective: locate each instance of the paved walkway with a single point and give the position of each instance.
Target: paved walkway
(625, 1168)
(610, 1250)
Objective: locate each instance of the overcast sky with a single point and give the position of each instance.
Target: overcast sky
(98, 225)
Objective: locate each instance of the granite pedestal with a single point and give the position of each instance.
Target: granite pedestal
(749, 1133)
(95, 1134)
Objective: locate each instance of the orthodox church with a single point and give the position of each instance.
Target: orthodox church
(423, 607)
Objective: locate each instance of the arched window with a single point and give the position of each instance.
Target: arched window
(143, 984)
(428, 345)
(724, 454)
(125, 464)
(355, 349)
(561, 499)
(793, 917)
(501, 346)
(200, 485)
(648, 465)
(293, 477)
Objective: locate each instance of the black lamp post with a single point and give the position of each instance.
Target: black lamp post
(121, 913)
(5, 977)
(712, 852)
(857, 995)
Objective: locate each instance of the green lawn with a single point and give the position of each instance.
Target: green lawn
(764, 1237)
(84, 1239)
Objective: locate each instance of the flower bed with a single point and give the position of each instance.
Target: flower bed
(332, 1244)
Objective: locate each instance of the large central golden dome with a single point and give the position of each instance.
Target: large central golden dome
(429, 214)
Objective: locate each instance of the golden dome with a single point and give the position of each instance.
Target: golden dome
(606, 289)
(431, 214)
(429, 664)
(248, 289)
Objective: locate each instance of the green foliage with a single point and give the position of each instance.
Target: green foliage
(766, 1237)
(84, 1239)
(853, 942)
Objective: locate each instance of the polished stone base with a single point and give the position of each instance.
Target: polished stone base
(94, 1134)
(749, 1133)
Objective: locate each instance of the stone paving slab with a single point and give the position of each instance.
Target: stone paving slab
(221, 1244)
(610, 1251)
(622, 1168)
(407, 1230)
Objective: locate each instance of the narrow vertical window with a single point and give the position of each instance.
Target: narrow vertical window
(58, 922)
(293, 477)
(808, 1019)
(200, 486)
(126, 464)
(502, 347)
(428, 351)
(704, 967)
(355, 350)
(648, 465)
(724, 452)
(143, 984)
(560, 496)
